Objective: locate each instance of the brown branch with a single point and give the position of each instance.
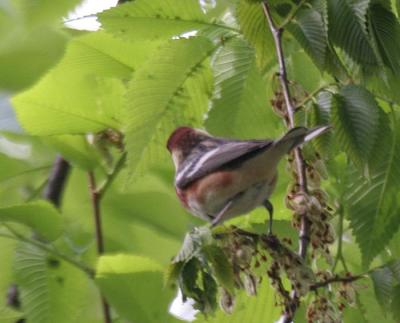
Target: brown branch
(96, 198)
(304, 233)
(336, 279)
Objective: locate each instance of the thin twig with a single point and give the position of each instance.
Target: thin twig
(311, 96)
(95, 196)
(292, 14)
(339, 254)
(299, 161)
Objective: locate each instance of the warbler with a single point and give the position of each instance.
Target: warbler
(218, 178)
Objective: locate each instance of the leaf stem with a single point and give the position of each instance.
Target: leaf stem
(292, 14)
(96, 197)
(339, 254)
(304, 233)
(311, 95)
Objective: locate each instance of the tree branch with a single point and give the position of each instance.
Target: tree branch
(96, 198)
(299, 161)
(336, 279)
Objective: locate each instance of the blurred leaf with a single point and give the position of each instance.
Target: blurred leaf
(41, 216)
(9, 315)
(45, 11)
(26, 55)
(75, 149)
(168, 73)
(253, 25)
(51, 289)
(239, 108)
(155, 19)
(132, 284)
(84, 92)
(356, 121)
(395, 306)
(260, 308)
(309, 30)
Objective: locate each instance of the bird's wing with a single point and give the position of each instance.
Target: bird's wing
(227, 154)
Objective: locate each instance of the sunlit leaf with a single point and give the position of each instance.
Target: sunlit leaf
(41, 216)
(132, 284)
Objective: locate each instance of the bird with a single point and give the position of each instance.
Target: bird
(218, 178)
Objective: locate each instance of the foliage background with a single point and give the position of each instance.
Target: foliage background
(138, 77)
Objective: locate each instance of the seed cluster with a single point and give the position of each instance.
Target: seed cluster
(314, 206)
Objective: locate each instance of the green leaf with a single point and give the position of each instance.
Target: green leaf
(382, 279)
(356, 122)
(386, 30)
(321, 115)
(254, 27)
(159, 101)
(84, 92)
(155, 19)
(309, 30)
(75, 149)
(132, 284)
(41, 216)
(51, 290)
(27, 55)
(260, 308)
(239, 107)
(347, 29)
(372, 203)
(395, 306)
(9, 315)
(222, 268)
(193, 243)
(44, 11)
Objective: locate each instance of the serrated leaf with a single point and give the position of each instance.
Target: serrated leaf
(382, 279)
(142, 19)
(41, 216)
(356, 122)
(309, 30)
(347, 29)
(321, 115)
(239, 106)
(131, 284)
(158, 93)
(83, 93)
(193, 243)
(386, 30)
(372, 202)
(222, 268)
(253, 25)
(51, 290)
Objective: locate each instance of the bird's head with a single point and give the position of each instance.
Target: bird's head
(182, 141)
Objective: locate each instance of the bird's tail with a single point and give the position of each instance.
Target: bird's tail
(296, 136)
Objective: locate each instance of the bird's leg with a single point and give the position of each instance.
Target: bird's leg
(267, 204)
(221, 213)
